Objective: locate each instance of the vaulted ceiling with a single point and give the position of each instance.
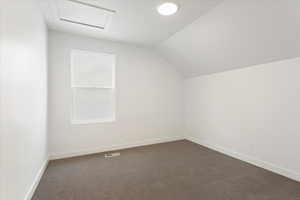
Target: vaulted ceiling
(236, 34)
(204, 37)
(132, 21)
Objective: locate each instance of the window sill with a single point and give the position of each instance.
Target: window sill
(94, 121)
(93, 86)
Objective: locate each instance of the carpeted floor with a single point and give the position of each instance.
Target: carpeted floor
(172, 171)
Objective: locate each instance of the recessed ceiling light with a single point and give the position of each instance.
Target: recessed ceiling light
(167, 8)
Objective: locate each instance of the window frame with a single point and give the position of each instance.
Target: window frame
(73, 86)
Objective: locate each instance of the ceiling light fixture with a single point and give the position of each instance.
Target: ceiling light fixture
(167, 9)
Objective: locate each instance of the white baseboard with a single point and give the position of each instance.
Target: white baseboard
(36, 181)
(114, 147)
(249, 159)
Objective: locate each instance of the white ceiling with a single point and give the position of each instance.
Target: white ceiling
(204, 37)
(236, 34)
(135, 21)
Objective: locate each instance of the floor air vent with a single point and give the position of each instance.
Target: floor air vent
(110, 155)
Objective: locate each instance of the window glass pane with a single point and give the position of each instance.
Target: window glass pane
(93, 104)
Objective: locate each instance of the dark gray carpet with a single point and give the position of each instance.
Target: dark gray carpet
(172, 171)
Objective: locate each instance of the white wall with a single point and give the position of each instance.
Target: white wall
(251, 113)
(148, 101)
(23, 97)
(1, 99)
(235, 34)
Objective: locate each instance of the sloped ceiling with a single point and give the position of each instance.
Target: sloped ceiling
(134, 21)
(235, 34)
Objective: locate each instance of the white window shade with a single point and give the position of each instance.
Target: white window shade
(93, 87)
(91, 69)
(93, 105)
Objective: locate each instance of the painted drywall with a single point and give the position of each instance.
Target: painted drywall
(235, 34)
(1, 99)
(23, 97)
(252, 113)
(149, 101)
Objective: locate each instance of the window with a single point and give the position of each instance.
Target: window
(93, 87)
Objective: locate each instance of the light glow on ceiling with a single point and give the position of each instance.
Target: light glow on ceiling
(167, 9)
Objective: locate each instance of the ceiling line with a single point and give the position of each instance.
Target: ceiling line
(80, 23)
(92, 5)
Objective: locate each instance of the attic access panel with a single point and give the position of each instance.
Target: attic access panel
(84, 13)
